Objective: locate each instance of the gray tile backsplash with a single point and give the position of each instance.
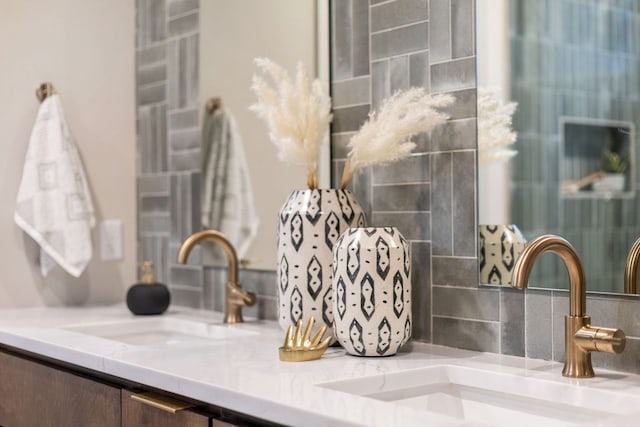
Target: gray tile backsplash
(341, 44)
(399, 41)
(421, 292)
(419, 71)
(411, 170)
(412, 225)
(417, 195)
(512, 312)
(184, 24)
(401, 197)
(538, 324)
(168, 142)
(469, 334)
(399, 73)
(463, 28)
(349, 119)
(398, 13)
(440, 31)
(351, 92)
(453, 75)
(360, 37)
(430, 197)
(466, 303)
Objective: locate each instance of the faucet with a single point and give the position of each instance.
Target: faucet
(580, 337)
(631, 269)
(235, 296)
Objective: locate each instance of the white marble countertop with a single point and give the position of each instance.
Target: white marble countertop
(244, 373)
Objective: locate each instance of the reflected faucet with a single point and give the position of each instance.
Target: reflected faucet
(631, 269)
(580, 337)
(235, 296)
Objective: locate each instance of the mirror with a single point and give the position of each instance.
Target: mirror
(233, 33)
(573, 68)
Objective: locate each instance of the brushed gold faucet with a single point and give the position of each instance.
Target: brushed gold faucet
(631, 269)
(235, 296)
(580, 337)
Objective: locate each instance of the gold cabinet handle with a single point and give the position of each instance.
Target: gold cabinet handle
(161, 401)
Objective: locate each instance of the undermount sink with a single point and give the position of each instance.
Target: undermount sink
(159, 330)
(485, 397)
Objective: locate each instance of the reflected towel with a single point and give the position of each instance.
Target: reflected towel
(54, 204)
(227, 196)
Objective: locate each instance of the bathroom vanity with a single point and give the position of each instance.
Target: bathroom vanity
(83, 366)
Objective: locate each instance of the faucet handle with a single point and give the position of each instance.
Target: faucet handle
(240, 296)
(607, 340)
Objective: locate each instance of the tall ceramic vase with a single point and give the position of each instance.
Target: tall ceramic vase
(309, 225)
(372, 291)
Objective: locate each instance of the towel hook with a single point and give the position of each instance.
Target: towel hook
(213, 104)
(45, 90)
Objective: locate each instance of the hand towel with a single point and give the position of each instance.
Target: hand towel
(54, 204)
(227, 197)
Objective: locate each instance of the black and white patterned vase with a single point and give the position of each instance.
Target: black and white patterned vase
(309, 225)
(372, 291)
(500, 247)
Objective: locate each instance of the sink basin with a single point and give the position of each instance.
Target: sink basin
(159, 330)
(492, 398)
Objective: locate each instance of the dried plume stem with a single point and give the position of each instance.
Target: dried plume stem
(347, 175)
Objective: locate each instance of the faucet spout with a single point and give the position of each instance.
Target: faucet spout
(580, 337)
(564, 249)
(631, 269)
(235, 296)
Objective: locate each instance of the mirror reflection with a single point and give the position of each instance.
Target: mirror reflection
(572, 66)
(244, 184)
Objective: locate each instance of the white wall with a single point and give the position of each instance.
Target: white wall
(86, 48)
(232, 33)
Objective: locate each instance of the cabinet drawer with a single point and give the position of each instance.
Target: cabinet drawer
(153, 410)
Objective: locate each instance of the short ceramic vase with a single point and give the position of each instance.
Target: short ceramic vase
(372, 291)
(309, 225)
(500, 247)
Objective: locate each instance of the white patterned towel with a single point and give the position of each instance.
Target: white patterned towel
(54, 204)
(227, 196)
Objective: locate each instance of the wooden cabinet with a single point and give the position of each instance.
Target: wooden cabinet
(33, 394)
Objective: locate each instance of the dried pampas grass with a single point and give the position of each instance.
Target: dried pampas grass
(297, 113)
(386, 136)
(495, 135)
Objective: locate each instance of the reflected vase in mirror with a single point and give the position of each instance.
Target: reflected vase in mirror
(500, 246)
(309, 225)
(372, 291)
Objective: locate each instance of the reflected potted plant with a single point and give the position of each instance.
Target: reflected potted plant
(614, 165)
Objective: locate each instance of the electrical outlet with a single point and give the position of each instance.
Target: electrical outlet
(111, 240)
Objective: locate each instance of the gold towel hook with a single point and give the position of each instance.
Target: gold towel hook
(45, 90)
(213, 104)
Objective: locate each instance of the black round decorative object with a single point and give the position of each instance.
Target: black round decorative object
(148, 297)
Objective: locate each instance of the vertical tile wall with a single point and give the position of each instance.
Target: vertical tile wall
(168, 139)
(378, 48)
